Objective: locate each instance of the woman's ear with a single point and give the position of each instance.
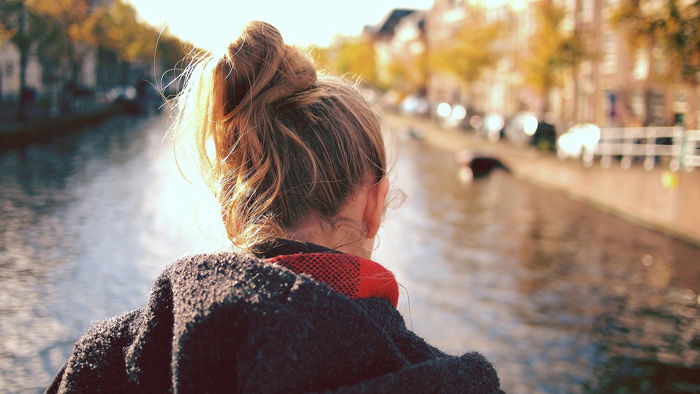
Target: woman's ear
(374, 206)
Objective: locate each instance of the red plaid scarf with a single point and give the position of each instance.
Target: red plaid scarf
(349, 275)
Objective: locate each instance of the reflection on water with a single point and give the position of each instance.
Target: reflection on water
(87, 223)
(561, 297)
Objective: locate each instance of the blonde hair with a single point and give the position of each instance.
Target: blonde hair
(275, 141)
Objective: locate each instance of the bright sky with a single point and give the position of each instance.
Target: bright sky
(212, 24)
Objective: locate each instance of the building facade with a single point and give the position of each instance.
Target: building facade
(613, 85)
(10, 70)
(398, 41)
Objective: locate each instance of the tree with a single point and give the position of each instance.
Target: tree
(75, 19)
(356, 56)
(672, 26)
(5, 34)
(50, 52)
(471, 51)
(407, 75)
(322, 57)
(25, 29)
(552, 51)
(120, 30)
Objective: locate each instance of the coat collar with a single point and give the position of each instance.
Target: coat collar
(281, 246)
(352, 276)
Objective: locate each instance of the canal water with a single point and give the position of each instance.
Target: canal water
(559, 296)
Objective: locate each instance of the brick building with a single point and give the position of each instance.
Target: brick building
(612, 86)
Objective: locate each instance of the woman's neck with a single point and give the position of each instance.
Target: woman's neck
(344, 236)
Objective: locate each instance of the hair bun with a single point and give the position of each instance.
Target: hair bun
(263, 69)
(297, 72)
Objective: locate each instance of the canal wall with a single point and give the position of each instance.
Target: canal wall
(22, 133)
(658, 199)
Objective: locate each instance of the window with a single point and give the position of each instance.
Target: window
(609, 49)
(637, 103)
(660, 62)
(657, 109)
(587, 7)
(680, 108)
(697, 114)
(641, 64)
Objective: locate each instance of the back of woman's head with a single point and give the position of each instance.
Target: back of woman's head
(276, 141)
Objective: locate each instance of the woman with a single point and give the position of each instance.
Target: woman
(298, 165)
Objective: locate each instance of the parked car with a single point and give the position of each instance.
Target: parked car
(415, 105)
(578, 140)
(521, 128)
(493, 126)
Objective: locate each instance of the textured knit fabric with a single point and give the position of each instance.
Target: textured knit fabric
(233, 323)
(351, 276)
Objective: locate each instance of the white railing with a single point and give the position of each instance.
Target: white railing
(653, 145)
(691, 157)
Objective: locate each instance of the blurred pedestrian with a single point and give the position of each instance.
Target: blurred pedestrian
(298, 164)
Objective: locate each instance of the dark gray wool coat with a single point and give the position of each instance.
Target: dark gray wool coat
(233, 323)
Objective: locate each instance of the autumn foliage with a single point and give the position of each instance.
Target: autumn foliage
(471, 51)
(672, 26)
(61, 33)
